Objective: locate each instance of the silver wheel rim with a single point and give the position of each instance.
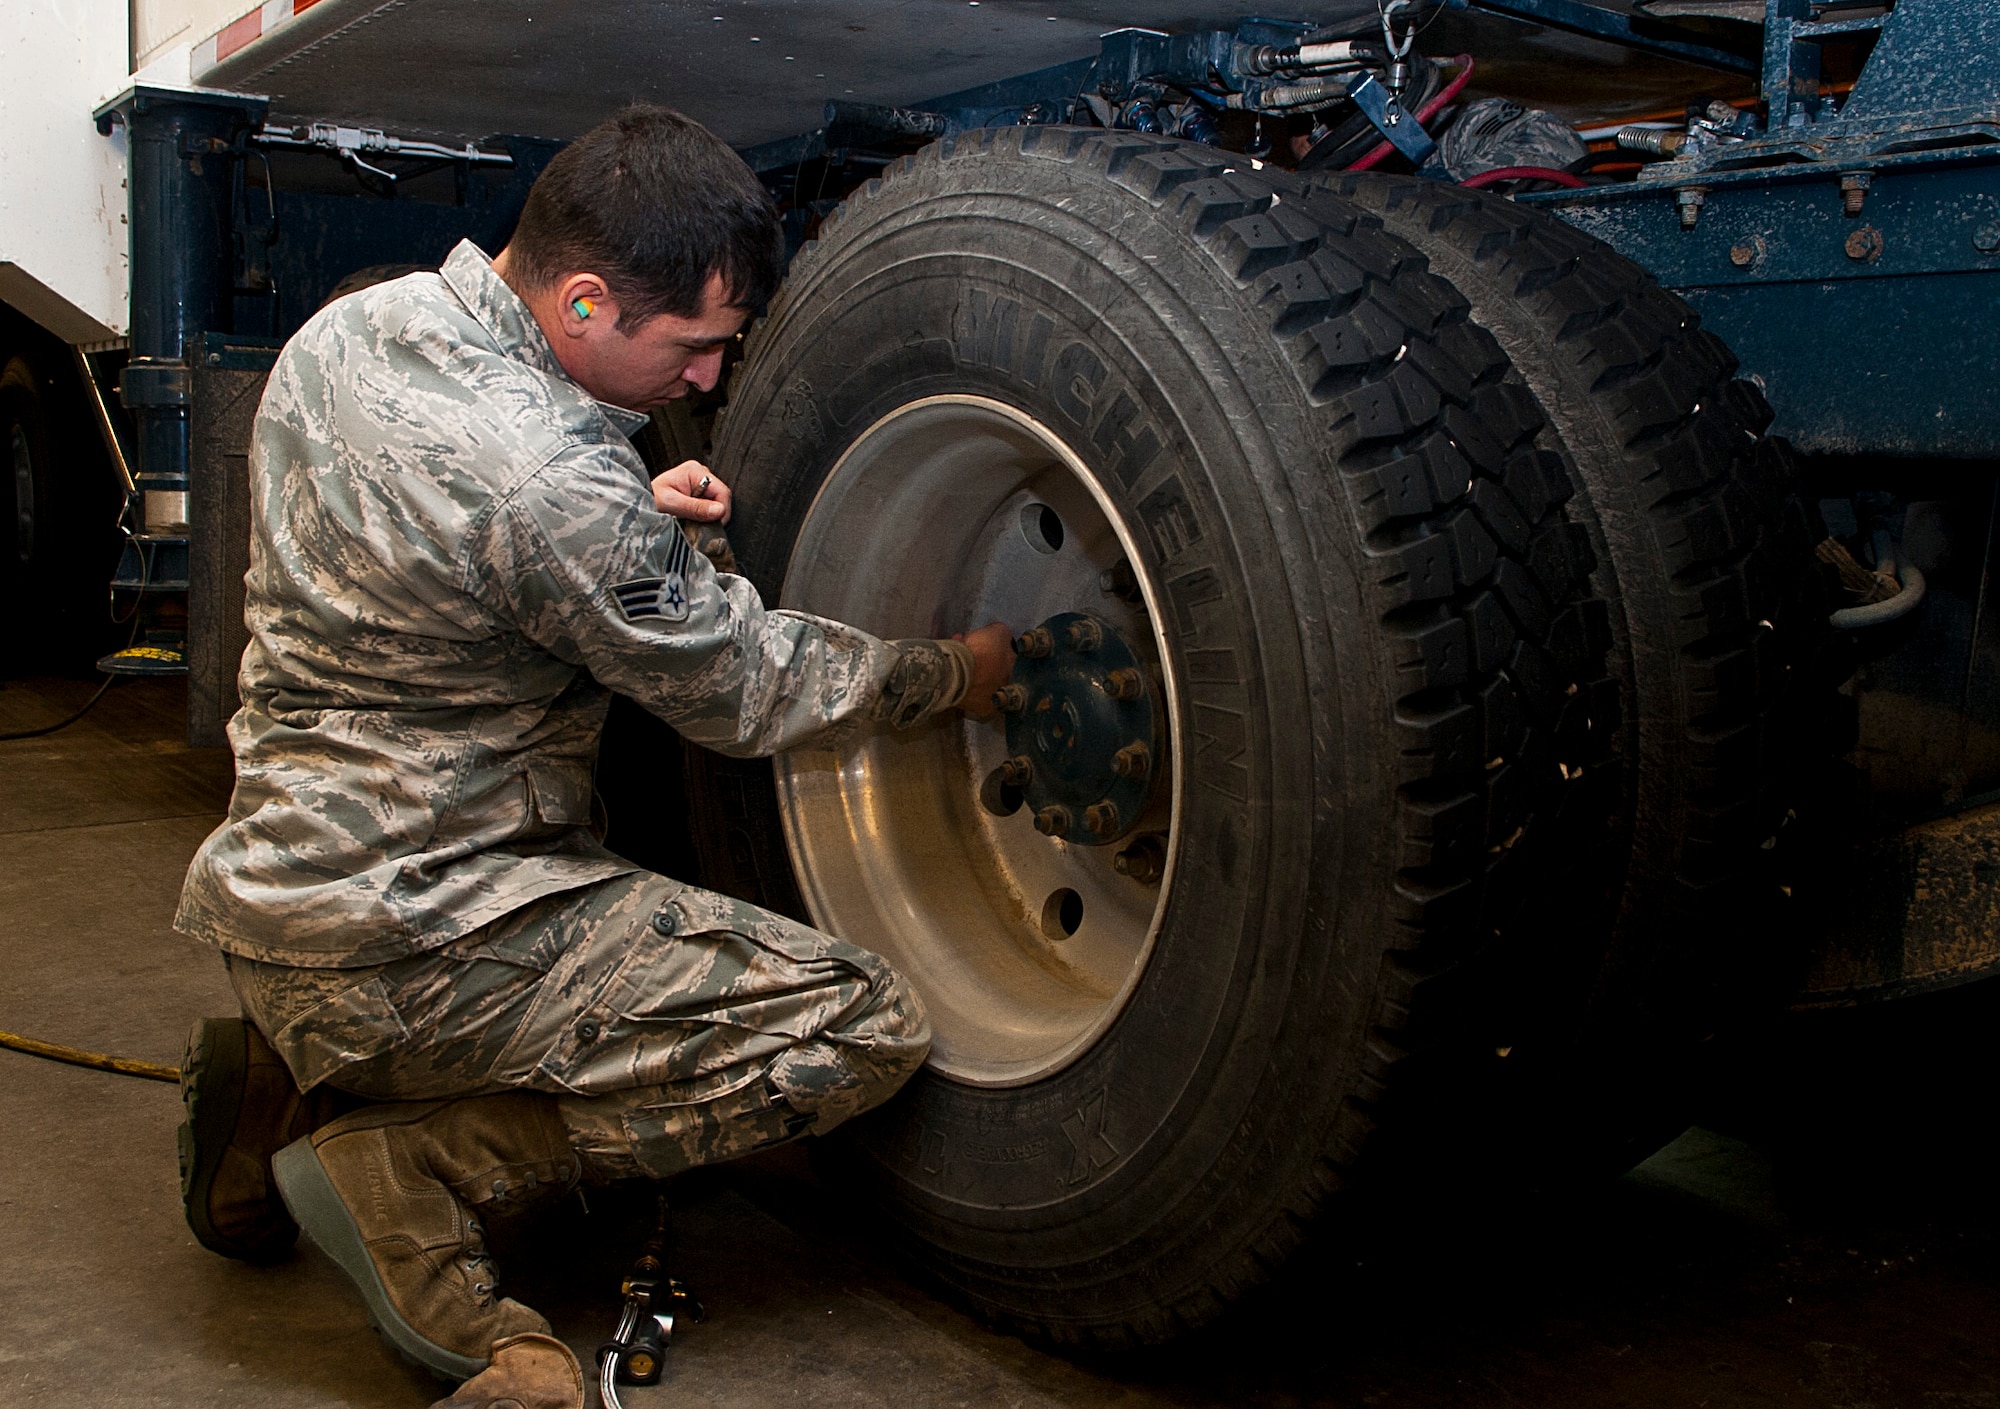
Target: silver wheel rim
(936, 519)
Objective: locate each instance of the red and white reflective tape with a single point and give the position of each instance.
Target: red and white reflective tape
(268, 18)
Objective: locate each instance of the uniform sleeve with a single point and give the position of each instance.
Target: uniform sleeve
(579, 560)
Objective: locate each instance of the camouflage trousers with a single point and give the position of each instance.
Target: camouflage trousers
(675, 1027)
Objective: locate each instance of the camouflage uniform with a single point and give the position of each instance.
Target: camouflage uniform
(455, 558)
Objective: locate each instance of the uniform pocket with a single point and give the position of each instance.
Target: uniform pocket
(560, 795)
(706, 1122)
(352, 1026)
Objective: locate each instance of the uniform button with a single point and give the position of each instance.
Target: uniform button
(667, 922)
(587, 1030)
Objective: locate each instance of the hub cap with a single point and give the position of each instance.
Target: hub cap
(1079, 730)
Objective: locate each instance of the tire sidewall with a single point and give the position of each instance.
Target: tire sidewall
(897, 307)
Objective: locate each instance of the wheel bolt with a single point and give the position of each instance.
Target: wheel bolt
(1124, 683)
(1034, 643)
(1053, 821)
(1853, 192)
(1145, 860)
(1010, 699)
(1132, 761)
(1016, 771)
(1084, 635)
(1101, 818)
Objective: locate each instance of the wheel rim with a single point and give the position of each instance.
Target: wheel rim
(948, 512)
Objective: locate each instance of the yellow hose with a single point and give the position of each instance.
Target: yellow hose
(123, 1066)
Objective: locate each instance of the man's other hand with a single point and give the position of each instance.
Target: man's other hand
(689, 491)
(992, 662)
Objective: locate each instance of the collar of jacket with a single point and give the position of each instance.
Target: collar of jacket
(468, 273)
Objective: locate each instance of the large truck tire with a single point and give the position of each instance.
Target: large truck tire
(1042, 371)
(1704, 551)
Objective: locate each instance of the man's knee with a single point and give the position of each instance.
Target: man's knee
(861, 1062)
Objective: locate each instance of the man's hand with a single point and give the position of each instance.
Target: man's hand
(992, 662)
(689, 491)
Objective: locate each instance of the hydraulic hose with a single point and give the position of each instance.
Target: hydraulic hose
(96, 1061)
(1521, 173)
(1877, 613)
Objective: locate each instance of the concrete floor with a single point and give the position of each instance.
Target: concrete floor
(1836, 1249)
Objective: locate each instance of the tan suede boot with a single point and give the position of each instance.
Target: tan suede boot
(528, 1372)
(392, 1195)
(242, 1107)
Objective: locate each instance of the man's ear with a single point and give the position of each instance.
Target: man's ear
(583, 303)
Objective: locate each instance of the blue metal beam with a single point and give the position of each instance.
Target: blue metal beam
(1870, 332)
(1580, 18)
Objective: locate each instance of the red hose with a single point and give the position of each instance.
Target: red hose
(1521, 173)
(1424, 114)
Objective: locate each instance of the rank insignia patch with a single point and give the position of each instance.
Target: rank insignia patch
(664, 597)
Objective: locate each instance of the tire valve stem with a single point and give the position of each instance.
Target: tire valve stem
(1120, 581)
(1035, 644)
(1145, 860)
(1010, 699)
(1132, 761)
(1053, 821)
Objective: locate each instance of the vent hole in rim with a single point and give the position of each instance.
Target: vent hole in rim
(1000, 799)
(1042, 527)
(1062, 914)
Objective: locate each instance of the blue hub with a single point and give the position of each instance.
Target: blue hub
(1081, 730)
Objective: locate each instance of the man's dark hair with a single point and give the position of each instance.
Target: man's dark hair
(654, 203)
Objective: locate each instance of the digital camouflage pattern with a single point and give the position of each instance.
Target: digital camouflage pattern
(676, 1027)
(455, 558)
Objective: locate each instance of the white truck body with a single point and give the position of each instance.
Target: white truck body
(62, 186)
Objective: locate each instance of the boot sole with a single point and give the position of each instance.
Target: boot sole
(317, 1205)
(214, 1069)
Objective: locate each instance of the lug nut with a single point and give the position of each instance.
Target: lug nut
(1010, 699)
(1101, 818)
(1132, 761)
(1084, 635)
(1016, 771)
(1124, 683)
(1145, 860)
(1053, 821)
(1034, 643)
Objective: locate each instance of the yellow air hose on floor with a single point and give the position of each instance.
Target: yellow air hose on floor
(97, 1061)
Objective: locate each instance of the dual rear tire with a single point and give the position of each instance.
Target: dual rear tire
(1297, 474)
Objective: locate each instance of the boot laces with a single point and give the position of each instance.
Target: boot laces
(478, 1262)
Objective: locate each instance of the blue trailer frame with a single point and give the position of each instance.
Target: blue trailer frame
(1846, 251)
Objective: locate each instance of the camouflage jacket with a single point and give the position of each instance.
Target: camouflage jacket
(455, 558)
